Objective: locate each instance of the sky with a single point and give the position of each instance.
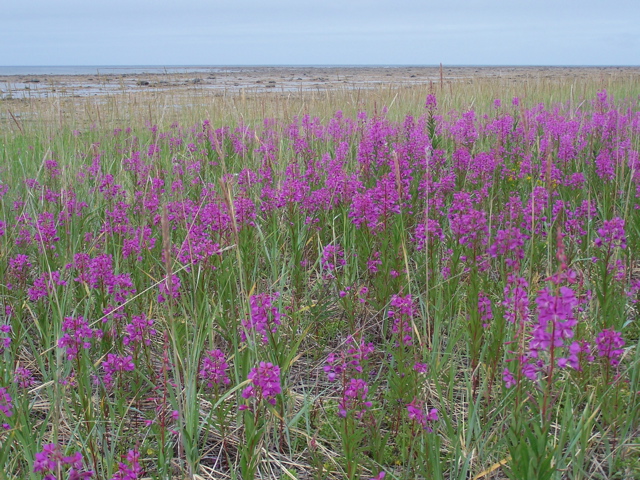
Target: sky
(321, 32)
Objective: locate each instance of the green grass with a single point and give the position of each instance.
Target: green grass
(589, 430)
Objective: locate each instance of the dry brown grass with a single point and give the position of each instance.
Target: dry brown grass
(189, 104)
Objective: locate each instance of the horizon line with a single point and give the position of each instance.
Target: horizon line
(275, 65)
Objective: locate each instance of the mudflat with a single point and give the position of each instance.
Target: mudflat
(279, 79)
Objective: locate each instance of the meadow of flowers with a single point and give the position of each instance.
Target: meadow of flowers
(448, 295)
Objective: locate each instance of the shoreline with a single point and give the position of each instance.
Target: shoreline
(279, 79)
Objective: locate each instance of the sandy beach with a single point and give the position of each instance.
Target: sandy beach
(277, 79)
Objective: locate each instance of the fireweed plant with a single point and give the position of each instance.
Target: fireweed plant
(453, 294)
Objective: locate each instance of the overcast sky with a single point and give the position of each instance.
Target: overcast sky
(324, 32)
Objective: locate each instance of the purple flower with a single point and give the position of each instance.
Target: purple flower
(19, 267)
(516, 300)
(605, 165)
(555, 319)
(372, 208)
(417, 412)
(467, 224)
(348, 362)
(169, 288)
(245, 211)
(374, 262)
(529, 368)
(354, 398)
(142, 238)
(45, 285)
(139, 331)
(6, 405)
(484, 308)
(5, 342)
(427, 233)
(610, 343)
(214, 369)
(264, 383)
(77, 336)
(402, 310)
(23, 377)
(420, 367)
(612, 234)
(51, 460)
(508, 242)
(46, 232)
(98, 273)
(431, 103)
(362, 294)
(508, 378)
(577, 350)
(130, 469)
(264, 317)
(332, 257)
(116, 364)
